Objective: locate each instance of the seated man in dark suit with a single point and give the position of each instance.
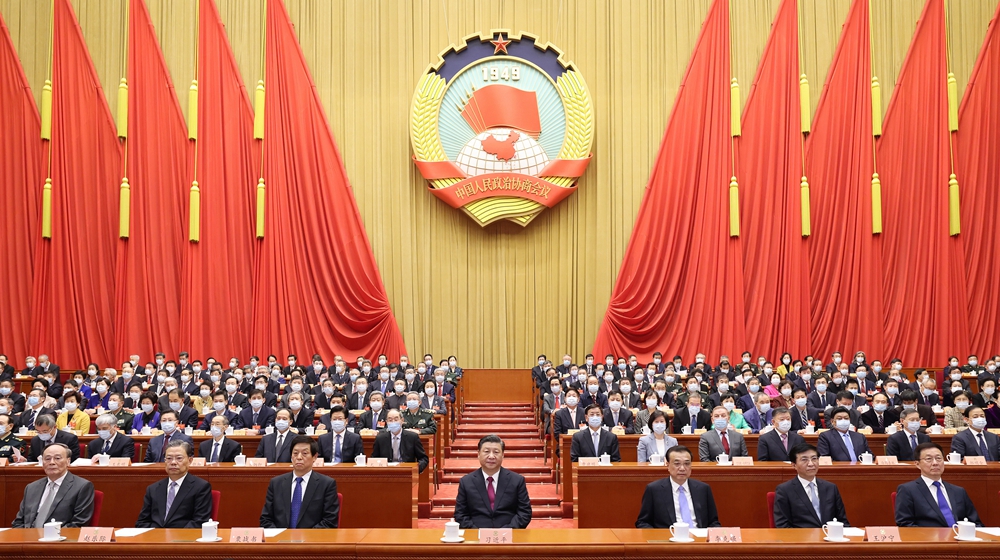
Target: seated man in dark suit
(61, 495)
(399, 445)
(220, 449)
(340, 445)
(276, 447)
(902, 443)
(219, 408)
(678, 497)
(338, 399)
(110, 441)
(492, 497)
(186, 416)
(256, 414)
(190, 497)
(807, 501)
(571, 416)
(802, 413)
(591, 394)
(880, 414)
(302, 416)
(927, 416)
(929, 501)
(158, 444)
(616, 416)
(775, 444)
(692, 415)
(976, 441)
(17, 400)
(595, 441)
(48, 435)
(374, 418)
(313, 504)
(840, 443)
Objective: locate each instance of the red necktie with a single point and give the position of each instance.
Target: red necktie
(557, 401)
(490, 493)
(725, 443)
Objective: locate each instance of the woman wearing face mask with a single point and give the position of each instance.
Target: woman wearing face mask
(456, 371)
(859, 360)
(202, 401)
(73, 416)
(954, 415)
(986, 396)
(785, 365)
(429, 398)
(990, 372)
(650, 404)
(735, 415)
(784, 398)
(656, 442)
(147, 416)
(771, 388)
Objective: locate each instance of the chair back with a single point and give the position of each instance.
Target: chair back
(340, 512)
(770, 510)
(893, 497)
(95, 518)
(216, 498)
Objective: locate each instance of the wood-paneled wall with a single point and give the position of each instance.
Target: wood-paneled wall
(497, 296)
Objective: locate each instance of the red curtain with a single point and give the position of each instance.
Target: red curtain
(680, 287)
(74, 300)
(977, 160)
(844, 257)
(217, 280)
(158, 165)
(317, 286)
(923, 267)
(20, 197)
(776, 283)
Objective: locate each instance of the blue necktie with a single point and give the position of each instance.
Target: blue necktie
(685, 511)
(296, 503)
(982, 447)
(850, 446)
(949, 519)
(694, 422)
(814, 498)
(336, 451)
(913, 441)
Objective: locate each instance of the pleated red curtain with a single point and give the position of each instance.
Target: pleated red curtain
(158, 165)
(977, 159)
(844, 257)
(20, 196)
(73, 292)
(317, 286)
(923, 276)
(769, 168)
(217, 279)
(684, 218)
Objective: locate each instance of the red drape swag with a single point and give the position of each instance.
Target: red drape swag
(74, 300)
(776, 283)
(20, 197)
(680, 287)
(158, 166)
(977, 160)
(217, 280)
(317, 286)
(924, 305)
(844, 256)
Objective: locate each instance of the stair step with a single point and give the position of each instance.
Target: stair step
(510, 453)
(497, 418)
(537, 512)
(476, 433)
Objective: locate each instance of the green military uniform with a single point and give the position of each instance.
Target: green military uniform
(976, 370)
(125, 419)
(422, 419)
(8, 443)
(674, 387)
(682, 399)
(451, 376)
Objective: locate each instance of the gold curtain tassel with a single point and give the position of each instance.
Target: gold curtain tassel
(193, 110)
(260, 208)
(124, 208)
(258, 111)
(876, 204)
(734, 208)
(734, 108)
(876, 107)
(805, 106)
(806, 219)
(47, 110)
(194, 233)
(47, 209)
(954, 217)
(952, 103)
(123, 108)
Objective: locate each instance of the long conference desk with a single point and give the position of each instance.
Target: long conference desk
(530, 544)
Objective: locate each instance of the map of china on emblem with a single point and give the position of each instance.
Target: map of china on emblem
(501, 127)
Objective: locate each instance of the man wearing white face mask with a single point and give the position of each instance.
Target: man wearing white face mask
(776, 443)
(976, 441)
(415, 419)
(256, 414)
(760, 415)
(340, 445)
(840, 443)
(219, 449)
(616, 415)
(590, 393)
(721, 438)
(110, 441)
(396, 444)
(219, 408)
(902, 443)
(276, 447)
(171, 432)
(594, 441)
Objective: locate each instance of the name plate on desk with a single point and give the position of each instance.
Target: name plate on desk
(378, 462)
(256, 461)
(246, 535)
(198, 462)
(3, 462)
(724, 535)
(588, 461)
(318, 462)
(496, 536)
(368, 432)
(618, 431)
(120, 462)
(825, 460)
(742, 462)
(886, 460)
(888, 534)
(96, 534)
(975, 460)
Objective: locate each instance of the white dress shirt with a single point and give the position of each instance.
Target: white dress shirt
(496, 480)
(58, 482)
(305, 482)
(677, 504)
(933, 489)
(179, 482)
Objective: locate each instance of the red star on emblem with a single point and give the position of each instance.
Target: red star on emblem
(500, 44)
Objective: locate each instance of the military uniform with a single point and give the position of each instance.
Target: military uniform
(978, 369)
(682, 399)
(422, 419)
(125, 419)
(8, 443)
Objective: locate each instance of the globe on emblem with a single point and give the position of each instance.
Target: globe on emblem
(500, 150)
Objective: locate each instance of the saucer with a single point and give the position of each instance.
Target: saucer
(726, 464)
(675, 539)
(202, 539)
(57, 539)
(843, 539)
(973, 539)
(452, 540)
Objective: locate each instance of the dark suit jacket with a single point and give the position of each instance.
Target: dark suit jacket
(304, 419)
(73, 504)
(794, 510)
(869, 418)
(354, 403)
(227, 453)
(682, 417)
(926, 414)
(122, 446)
(564, 421)
(364, 421)
(814, 400)
(832, 443)
(811, 414)
(966, 443)
(154, 451)
(898, 444)
(625, 420)
(350, 446)
(657, 510)
(37, 447)
(769, 447)
(320, 507)
(586, 399)
(411, 449)
(191, 507)
(206, 423)
(916, 507)
(22, 420)
(583, 445)
(511, 506)
(244, 420)
(267, 449)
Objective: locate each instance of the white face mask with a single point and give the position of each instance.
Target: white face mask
(615, 405)
(376, 405)
(295, 405)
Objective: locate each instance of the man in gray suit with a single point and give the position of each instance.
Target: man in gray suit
(721, 438)
(60, 496)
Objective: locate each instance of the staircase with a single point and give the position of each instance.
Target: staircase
(524, 454)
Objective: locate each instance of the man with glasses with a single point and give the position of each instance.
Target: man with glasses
(180, 501)
(807, 501)
(929, 501)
